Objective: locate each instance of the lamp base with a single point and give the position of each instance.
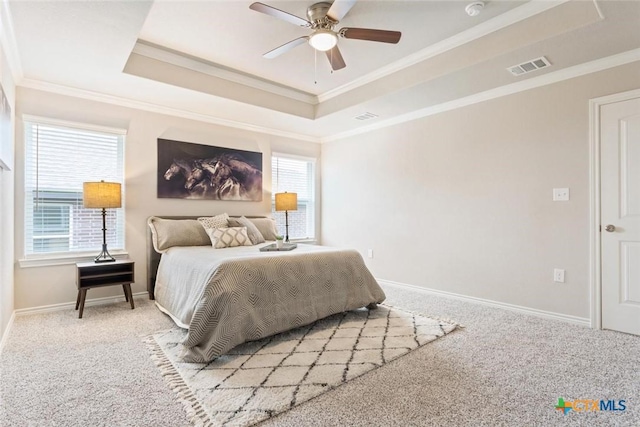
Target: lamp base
(104, 256)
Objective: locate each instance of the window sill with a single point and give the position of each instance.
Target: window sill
(64, 259)
(309, 241)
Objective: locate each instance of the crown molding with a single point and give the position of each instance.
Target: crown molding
(494, 24)
(180, 59)
(531, 83)
(8, 42)
(160, 109)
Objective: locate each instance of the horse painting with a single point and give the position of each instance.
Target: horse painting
(194, 171)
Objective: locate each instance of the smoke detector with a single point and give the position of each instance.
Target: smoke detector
(474, 9)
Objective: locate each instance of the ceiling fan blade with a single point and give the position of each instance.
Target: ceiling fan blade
(340, 8)
(383, 36)
(277, 13)
(285, 47)
(335, 58)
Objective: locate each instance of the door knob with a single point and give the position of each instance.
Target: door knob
(610, 228)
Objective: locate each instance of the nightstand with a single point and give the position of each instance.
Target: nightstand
(98, 274)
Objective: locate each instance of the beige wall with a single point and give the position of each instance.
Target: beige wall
(462, 201)
(41, 286)
(6, 211)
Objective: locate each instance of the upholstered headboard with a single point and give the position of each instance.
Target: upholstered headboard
(153, 257)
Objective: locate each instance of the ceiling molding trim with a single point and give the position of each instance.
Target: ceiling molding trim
(160, 109)
(597, 6)
(513, 16)
(191, 63)
(9, 44)
(532, 83)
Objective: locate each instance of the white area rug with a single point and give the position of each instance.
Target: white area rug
(260, 379)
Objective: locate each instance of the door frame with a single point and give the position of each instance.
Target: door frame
(595, 255)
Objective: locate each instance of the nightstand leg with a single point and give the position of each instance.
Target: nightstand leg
(129, 294)
(78, 300)
(126, 295)
(83, 295)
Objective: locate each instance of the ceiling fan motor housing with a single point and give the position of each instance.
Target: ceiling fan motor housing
(317, 14)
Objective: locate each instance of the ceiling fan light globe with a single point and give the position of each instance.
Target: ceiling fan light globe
(323, 40)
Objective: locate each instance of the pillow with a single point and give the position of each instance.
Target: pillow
(266, 226)
(217, 221)
(228, 237)
(167, 233)
(252, 231)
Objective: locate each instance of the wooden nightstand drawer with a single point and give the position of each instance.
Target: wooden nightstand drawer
(93, 275)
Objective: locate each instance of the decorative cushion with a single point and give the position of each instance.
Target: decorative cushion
(217, 221)
(228, 237)
(252, 231)
(266, 226)
(167, 233)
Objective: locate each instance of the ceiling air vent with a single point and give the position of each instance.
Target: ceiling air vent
(527, 67)
(366, 116)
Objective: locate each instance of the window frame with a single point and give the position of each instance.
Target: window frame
(313, 210)
(39, 259)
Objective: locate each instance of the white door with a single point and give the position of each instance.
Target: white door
(620, 215)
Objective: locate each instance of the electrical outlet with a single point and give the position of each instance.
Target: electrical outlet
(560, 194)
(558, 275)
(370, 253)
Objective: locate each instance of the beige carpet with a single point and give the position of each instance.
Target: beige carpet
(260, 379)
(502, 369)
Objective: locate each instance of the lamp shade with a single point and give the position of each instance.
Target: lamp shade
(286, 201)
(101, 194)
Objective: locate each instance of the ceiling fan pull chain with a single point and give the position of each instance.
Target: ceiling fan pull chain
(315, 67)
(331, 54)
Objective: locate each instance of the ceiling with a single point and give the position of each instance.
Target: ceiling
(203, 59)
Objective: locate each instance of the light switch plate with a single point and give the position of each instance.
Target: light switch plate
(560, 194)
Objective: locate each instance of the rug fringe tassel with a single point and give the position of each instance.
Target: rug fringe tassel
(440, 319)
(195, 412)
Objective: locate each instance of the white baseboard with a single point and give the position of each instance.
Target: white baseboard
(5, 335)
(512, 307)
(68, 305)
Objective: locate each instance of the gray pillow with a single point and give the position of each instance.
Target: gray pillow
(252, 231)
(167, 233)
(267, 227)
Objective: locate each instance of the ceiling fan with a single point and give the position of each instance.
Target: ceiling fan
(322, 19)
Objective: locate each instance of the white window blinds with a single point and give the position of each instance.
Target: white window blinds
(295, 175)
(58, 159)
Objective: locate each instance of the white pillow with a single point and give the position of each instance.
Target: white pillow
(217, 221)
(228, 237)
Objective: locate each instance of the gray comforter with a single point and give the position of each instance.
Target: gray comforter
(229, 296)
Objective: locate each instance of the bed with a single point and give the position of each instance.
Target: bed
(225, 297)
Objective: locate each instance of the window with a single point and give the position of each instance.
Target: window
(59, 157)
(295, 175)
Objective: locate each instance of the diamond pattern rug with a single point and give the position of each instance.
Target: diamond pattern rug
(260, 379)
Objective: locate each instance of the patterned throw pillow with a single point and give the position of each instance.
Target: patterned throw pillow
(252, 231)
(229, 237)
(217, 221)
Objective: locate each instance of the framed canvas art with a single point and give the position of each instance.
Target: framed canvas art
(196, 171)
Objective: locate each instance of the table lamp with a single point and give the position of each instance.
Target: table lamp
(286, 202)
(102, 195)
